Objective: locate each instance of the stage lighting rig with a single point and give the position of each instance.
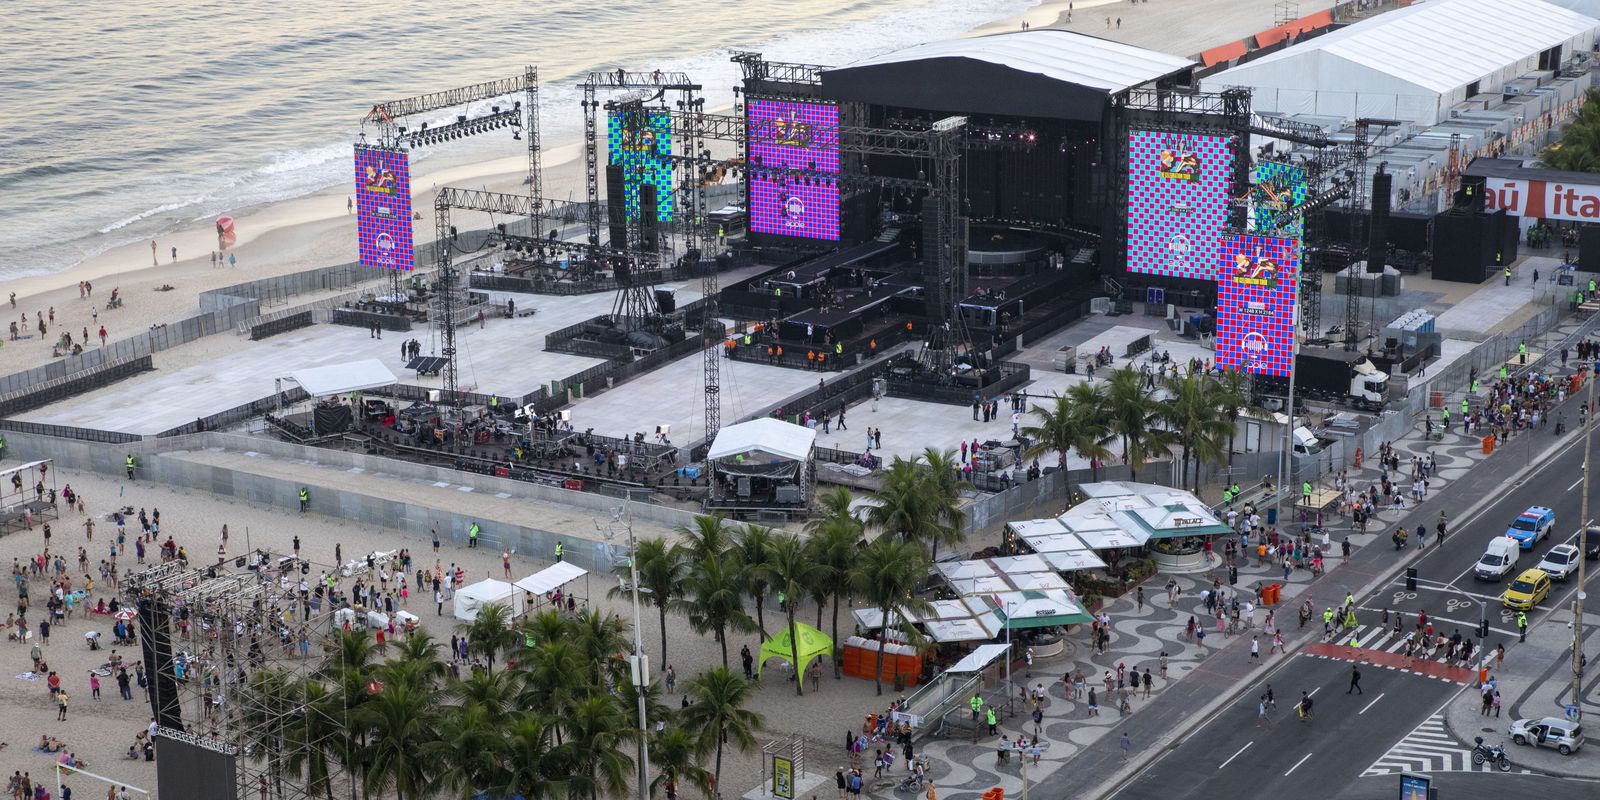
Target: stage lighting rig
(466, 126)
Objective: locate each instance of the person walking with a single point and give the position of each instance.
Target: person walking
(1355, 680)
(1126, 744)
(154, 261)
(1522, 626)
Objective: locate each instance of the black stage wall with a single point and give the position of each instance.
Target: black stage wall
(188, 770)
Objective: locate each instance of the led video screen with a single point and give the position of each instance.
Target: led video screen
(383, 208)
(788, 135)
(1257, 288)
(1177, 202)
(642, 151)
(1278, 188)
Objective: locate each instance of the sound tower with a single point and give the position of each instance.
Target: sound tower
(1378, 241)
(1462, 249)
(616, 212)
(155, 638)
(932, 240)
(647, 217)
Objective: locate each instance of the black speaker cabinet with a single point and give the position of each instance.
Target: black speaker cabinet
(1462, 248)
(616, 212)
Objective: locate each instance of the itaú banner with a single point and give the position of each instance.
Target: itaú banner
(1544, 199)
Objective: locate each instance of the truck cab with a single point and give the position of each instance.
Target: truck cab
(1532, 525)
(1369, 383)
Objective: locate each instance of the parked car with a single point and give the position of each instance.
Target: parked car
(1564, 735)
(1560, 562)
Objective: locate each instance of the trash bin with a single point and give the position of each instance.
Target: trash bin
(1272, 516)
(1488, 444)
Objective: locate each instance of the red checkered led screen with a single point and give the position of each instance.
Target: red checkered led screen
(1177, 202)
(1257, 287)
(383, 208)
(787, 135)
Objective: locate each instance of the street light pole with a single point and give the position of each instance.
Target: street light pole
(641, 670)
(1583, 541)
(1009, 657)
(1286, 459)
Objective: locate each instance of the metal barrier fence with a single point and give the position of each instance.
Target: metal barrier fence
(69, 432)
(76, 383)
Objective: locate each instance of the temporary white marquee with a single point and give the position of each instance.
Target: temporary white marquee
(1413, 63)
(761, 440)
(341, 378)
(471, 599)
(551, 578)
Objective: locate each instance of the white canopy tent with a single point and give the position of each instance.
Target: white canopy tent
(762, 440)
(335, 379)
(1074, 560)
(470, 599)
(551, 578)
(979, 658)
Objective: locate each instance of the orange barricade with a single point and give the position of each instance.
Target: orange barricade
(1488, 444)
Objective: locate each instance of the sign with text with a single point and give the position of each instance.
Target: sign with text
(383, 208)
(1544, 199)
(1256, 295)
(1177, 202)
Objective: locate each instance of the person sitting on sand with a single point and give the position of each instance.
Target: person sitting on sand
(50, 744)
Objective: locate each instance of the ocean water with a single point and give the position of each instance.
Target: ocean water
(125, 120)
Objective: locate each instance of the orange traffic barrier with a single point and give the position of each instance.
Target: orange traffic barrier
(1488, 444)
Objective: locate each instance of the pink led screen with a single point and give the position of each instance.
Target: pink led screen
(1177, 202)
(788, 135)
(1257, 287)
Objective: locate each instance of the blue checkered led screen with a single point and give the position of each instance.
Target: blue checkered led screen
(641, 151)
(788, 135)
(383, 208)
(1177, 202)
(1257, 287)
(1277, 189)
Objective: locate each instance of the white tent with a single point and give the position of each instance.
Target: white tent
(341, 378)
(762, 440)
(469, 599)
(551, 578)
(979, 658)
(1412, 64)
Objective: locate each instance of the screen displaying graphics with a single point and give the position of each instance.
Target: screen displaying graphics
(1257, 288)
(788, 135)
(1277, 188)
(383, 208)
(1177, 202)
(640, 150)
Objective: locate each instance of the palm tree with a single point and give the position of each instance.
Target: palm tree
(1134, 418)
(1192, 416)
(751, 546)
(719, 715)
(497, 693)
(662, 568)
(1232, 389)
(403, 719)
(920, 500)
(349, 651)
(942, 488)
(676, 752)
(600, 730)
(491, 631)
(556, 676)
(316, 726)
(886, 575)
(1579, 147)
(714, 601)
(602, 640)
(420, 648)
(1076, 421)
(708, 538)
(790, 569)
(834, 542)
(528, 761)
(469, 751)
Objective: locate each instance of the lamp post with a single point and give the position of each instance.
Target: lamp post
(1009, 606)
(638, 664)
(1286, 462)
(1583, 542)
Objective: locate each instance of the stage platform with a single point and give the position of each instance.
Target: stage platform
(505, 356)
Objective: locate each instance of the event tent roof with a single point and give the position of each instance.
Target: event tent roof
(979, 658)
(1439, 45)
(551, 578)
(470, 599)
(1044, 73)
(810, 643)
(764, 439)
(340, 378)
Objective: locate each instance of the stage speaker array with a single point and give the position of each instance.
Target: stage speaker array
(647, 216)
(1378, 240)
(1589, 249)
(616, 212)
(155, 638)
(1463, 246)
(665, 301)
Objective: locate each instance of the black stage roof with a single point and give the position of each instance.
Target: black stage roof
(1046, 74)
(1512, 169)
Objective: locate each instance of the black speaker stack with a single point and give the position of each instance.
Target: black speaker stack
(648, 215)
(616, 211)
(155, 638)
(1378, 240)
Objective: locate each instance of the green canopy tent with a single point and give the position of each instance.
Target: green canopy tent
(812, 643)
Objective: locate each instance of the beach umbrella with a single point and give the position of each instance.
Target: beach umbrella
(126, 614)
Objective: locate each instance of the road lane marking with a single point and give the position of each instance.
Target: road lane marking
(1297, 764)
(1235, 755)
(1370, 705)
(1574, 484)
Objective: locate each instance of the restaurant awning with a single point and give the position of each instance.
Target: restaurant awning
(1037, 609)
(1075, 560)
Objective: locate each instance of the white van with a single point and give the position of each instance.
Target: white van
(1498, 559)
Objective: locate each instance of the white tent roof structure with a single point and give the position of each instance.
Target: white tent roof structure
(470, 599)
(979, 658)
(551, 578)
(1411, 63)
(341, 378)
(1057, 55)
(764, 439)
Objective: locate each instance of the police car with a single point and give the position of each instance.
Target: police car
(1531, 526)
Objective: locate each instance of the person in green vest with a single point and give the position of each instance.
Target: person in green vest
(1305, 491)
(1465, 409)
(2, 446)
(130, 466)
(838, 348)
(1522, 353)
(783, 601)
(1504, 372)
(1592, 286)
(494, 402)
(1227, 496)
(472, 535)
(747, 339)
(1474, 385)
(559, 549)
(976, 704)
(305, 499)
(777, 291)
(992, 720)
(1508, 269)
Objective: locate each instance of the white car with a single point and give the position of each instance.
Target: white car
(1561, 561)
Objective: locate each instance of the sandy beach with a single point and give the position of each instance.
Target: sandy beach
(100, 731)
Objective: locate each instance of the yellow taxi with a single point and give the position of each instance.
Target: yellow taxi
(1528, 590)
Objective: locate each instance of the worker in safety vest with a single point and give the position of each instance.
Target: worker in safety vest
(1465, 409)
(1305, 491)
(1522, 625)
(747, 340)
(305, 499)
(1522, 353)
(559, 548)
(976, 703)
(130, 466)
(838, 348)
(472, 535)
(1508, 270)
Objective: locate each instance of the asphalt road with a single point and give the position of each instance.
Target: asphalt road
(1231, 756)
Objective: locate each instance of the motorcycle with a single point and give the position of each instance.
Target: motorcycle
(1399, 538)
(1497, 754)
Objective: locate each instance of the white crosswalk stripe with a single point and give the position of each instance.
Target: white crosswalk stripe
(1428, 748)
(1380, 637)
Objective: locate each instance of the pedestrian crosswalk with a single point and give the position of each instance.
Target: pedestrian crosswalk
(1427, 748)
(1383, 638)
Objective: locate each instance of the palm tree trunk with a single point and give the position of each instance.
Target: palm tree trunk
(663, 610)
(794, 655)
(883, 641)
(1185, 481)
(834, 655)
(722, 639)
(761, 615)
